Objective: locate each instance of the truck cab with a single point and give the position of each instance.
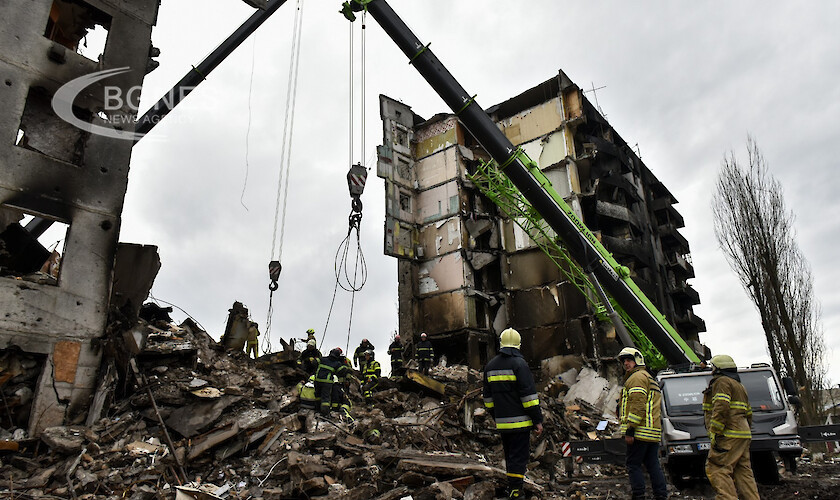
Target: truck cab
(685, 442)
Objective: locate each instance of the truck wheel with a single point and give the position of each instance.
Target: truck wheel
(764, 467)
(675, 474)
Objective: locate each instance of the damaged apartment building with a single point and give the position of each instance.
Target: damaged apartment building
(54, 302)
(466, 271)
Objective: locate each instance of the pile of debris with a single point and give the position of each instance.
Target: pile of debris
(178, 415)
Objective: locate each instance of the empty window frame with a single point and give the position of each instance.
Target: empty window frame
(78, 26)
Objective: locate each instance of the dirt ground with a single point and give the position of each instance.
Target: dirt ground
(812, 481)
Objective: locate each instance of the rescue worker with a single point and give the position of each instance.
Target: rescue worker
(371, 375)
(253, 333)
(425, 354)
(306, 392)
(641, 425)
(396, 352)
(511, 399)
(310, 357)
(359, 354)
(310, 335)
(728, 417)
(330, 368)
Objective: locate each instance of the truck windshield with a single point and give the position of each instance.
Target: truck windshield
(763, 391)
(684, 395)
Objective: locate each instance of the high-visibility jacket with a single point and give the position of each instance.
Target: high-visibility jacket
(726, 407)
(306, 391)
(640, 414)
(329, 366)
(509, 392)
(372, 371)
(425, 352)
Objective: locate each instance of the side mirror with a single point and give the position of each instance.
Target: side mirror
(790, 387)
(795, 401)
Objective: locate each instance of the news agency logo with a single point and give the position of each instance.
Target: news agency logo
(115, 102)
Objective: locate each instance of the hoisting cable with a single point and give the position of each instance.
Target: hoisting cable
(356, 178)
(274, 266)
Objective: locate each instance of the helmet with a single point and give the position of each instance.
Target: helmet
(312, 343)
(311, 331)
(632, 353)
(723, 362)
(369, 351)
(423, 335)
(510, 338)
(337, 352)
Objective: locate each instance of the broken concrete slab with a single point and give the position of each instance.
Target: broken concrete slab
(190, 420)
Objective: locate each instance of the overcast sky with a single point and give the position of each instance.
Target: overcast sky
(686, 81)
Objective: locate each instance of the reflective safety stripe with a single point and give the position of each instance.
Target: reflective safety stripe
(640, 390)
(513, 422)
(529, 401)
(707, 406)
(633, 418)
(714, 424)
(648, 434)
(737, 434)
(488, 402)
(511, 474)
(501, 378)
(739, 405)
(721, 397)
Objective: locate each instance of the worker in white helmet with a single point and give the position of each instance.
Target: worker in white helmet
(510, 397)
(641, 424)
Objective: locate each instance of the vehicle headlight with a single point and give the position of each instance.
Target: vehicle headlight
(680, 449)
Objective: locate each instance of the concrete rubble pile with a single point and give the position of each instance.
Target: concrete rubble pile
(178, 416)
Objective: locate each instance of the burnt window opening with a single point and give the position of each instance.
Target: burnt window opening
(403, 168)
(400, 136)
(31, 246)
(41, 130)
(19, 374)
(79, 26)
(405, 202)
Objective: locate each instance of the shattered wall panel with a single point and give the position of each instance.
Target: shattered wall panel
(533, 122)
(442, 274)
(529, 269)
(439, 168)
(438, 202)
(400, 238)
(442, 237)
(545, 305)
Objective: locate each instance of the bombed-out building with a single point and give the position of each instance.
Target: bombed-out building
(72, 179)
(466, 271)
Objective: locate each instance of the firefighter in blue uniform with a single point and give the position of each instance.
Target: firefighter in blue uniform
(511, 398)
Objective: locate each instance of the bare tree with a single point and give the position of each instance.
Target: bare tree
(756, 233)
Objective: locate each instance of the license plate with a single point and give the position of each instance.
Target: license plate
(703, 446)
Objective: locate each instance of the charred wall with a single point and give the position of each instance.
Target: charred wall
(54, 172)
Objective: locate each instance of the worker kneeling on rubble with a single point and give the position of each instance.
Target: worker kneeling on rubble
(511, 398)
(728, 417)
(306, 393)
(641, 424)
(330, 369)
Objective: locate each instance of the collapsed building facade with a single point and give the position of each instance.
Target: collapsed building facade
(466, 272)
(55, 174)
